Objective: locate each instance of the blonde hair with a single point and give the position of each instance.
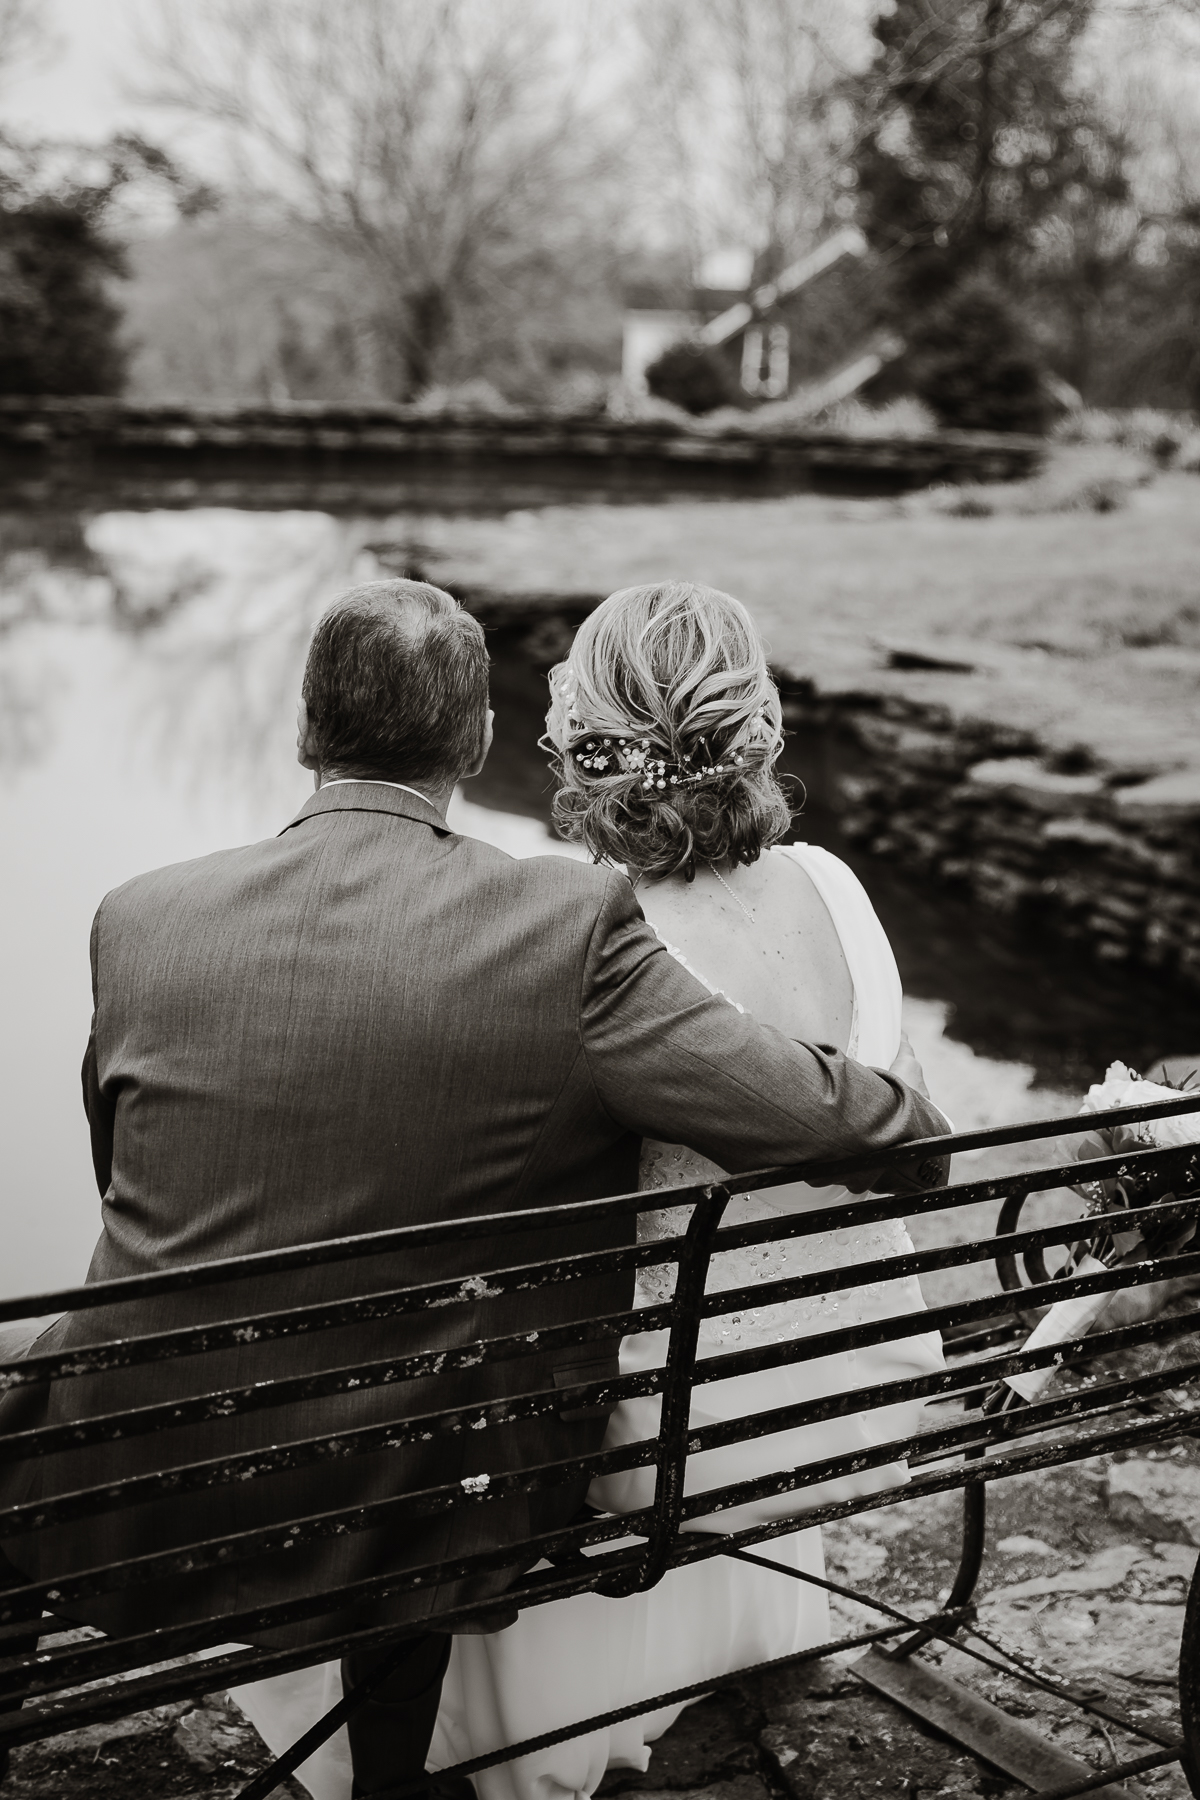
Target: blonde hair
(665, 726)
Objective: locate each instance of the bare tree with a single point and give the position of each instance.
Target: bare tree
(749, 125)
(445, 151)
(1141, 59)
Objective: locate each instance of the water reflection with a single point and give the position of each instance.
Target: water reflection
(149, 666)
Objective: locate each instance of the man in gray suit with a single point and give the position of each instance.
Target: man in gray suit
(368, 1022)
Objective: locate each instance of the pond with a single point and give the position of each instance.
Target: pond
(150, 665)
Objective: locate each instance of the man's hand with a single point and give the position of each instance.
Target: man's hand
(911, 1177)
(908, 1068)
(930, 1171)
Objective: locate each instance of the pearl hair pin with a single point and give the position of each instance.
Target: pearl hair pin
(633, 756)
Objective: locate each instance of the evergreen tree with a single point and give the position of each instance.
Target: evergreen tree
(60, 256)
(59, 326)
(972, 362)
(990, 184)
(1144, 338)
(975, 138)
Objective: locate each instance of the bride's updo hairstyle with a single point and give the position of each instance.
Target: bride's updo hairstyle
(665, 727)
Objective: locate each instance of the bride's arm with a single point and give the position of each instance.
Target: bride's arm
(671, 1062)
(908, 1068)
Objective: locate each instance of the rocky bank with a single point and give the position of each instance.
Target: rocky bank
(1072, 844)
(1002, 687)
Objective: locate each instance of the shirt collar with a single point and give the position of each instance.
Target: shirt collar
(373, 781)
(372, 796)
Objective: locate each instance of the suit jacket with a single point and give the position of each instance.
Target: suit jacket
(367, 1022)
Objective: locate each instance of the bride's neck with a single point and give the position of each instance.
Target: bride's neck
(704, 875)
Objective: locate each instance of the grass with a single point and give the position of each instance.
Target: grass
(1079, 624)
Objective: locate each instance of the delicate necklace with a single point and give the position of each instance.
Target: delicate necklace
(730, 892)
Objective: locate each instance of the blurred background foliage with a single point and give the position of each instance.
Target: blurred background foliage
(409, 199)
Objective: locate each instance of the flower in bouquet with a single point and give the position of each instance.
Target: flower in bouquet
(1123, 1086)
(1108, 1246)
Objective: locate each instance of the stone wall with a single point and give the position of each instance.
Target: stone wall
(1075, 849)
(100, 454)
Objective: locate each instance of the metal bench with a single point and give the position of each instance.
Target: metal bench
(966, 1441)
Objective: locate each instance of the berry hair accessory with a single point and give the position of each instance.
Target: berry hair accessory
(636, 756)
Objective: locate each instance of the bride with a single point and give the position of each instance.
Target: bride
(665, 729)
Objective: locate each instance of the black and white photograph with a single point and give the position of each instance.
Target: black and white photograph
(600, 899)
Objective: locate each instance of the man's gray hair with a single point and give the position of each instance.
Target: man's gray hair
(396, 684)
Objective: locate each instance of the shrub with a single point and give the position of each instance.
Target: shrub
(975, 365)
(1074, 478)
(475, 399)
(1103, 496)
(1167, 437)
(970, 506)
(59, 326)
(905, 417)
(695, 377)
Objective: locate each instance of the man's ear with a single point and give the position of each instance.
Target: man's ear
(484, 747)
(306, 744)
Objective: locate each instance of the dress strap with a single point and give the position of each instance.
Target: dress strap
(875, 1031)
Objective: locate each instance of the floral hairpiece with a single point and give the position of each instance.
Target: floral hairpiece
(635, 756)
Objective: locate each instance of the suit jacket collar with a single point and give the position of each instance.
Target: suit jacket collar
(369, 796)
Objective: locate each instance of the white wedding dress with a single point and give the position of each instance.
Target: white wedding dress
(575, 1658)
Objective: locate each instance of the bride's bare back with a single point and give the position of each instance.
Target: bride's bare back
(781, 957)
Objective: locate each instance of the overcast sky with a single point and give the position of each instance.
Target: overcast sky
(77, 85)
(82, 85)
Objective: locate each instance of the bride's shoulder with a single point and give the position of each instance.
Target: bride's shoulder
(833, 879)
(815, 861)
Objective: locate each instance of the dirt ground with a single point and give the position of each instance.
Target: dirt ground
(1082, 1576)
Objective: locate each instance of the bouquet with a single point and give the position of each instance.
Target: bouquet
(1110, 1247)
(1141, 1187)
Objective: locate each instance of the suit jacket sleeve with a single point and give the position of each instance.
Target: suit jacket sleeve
(672, 1062)
(100, 1107)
